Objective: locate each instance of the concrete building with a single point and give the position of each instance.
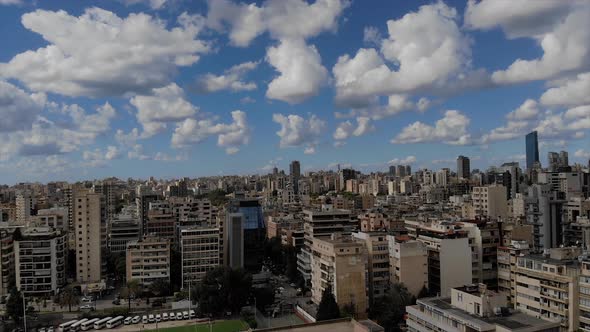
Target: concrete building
(469, 309)
(544, 210)
(148, 260)
(490, 201)
(507, 256)
(124, 228)
(547, 286)
(340, 263)
(7, 266)
(377, 249)
(245, 232)
(484, 239)
(320, 224)
(584, 284)
(88, 235)
(25, 203)
(408, 261)
(161, 221)
(40, 261)
(199, 248)
(463, 167)
(56, 218)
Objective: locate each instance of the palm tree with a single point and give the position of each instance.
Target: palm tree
(69, 298)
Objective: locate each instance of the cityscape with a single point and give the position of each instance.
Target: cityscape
(295, 165)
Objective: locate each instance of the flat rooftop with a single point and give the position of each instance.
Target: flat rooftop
(340, 325)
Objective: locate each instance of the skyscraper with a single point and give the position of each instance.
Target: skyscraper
(295, 173)
(463, 167)
(532, 149)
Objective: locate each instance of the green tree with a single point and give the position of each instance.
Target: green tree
(328, 308)
(223, 288)
(14, 305)
(68, 298)
(132, 289)
(389, 310)
(160, 288)
(175, 270)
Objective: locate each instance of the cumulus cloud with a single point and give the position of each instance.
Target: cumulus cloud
(301, 73)
(451, 129)
(100, 158)
(372, 36)
(403, 161)
(565, 40)
(570, 92)
(153, 4)
(10, 2)
(396, 104)
(18, 109)
(165, 105)
(426, 48)
(298, 131)
(102, 54)
(528, 110)
(230, 136)
(346, 129)
(232, 79)
(580, 153)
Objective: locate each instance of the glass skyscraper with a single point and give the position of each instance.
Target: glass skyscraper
(532, 149)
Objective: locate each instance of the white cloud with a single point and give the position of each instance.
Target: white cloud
(565, 44)
(18, 109)
(396, 104)
(99, 158)
(427, 49)
(10, 2)
(301, 71)
(528, 110)
(346, 129)
(153, 4)
(372, 36)
(127, 139)
(97, 123)
(451, 129)
(101, 54)
(527, 17)
(230, 136)
(297, 131)
(403, 161)
(572, 92)
(247, 100)
(582, 154)
(167, 104)
(232, 79)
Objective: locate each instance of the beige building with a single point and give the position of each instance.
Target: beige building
(199, 248)
(88, 233)
(7, 266)
(148, 260)
(584, 282)
(490, 201)
(378, 262)
(547, 286)
(470, 309)
(24, 204)
(408, 263)
(507, 267)
(340, 263)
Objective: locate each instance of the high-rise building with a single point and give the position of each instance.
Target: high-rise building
(199, 248)
(24, 206)
(144, 196)
(408, 170)
(463, 167)
(40, 261)
(124, 229)
(246, 231)
(392, 170)
(544, 210)
(295, 174)
(88, 235)
(532, 149)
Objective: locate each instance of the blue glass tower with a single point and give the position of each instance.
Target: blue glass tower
(532, 149)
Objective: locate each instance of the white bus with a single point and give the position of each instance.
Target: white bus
(99, 324)
(77, 325)
(89, 324)
(115, 322)
(65, 327)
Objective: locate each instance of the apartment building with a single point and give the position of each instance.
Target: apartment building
(199, 247)
(472, 308)
(124, 228)
(408, 261)
(318, 224)
(340, 263)
(584, 284)
(25, 202)
(56, 218)
(490, 201)
(547, 286)
(148, 260)
(484, 239)
(88, 231)
(507, 256)
(40, 261)
(161, 221)
(7, 266)
(377, 249)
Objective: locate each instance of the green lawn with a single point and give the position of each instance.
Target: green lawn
(220, 326)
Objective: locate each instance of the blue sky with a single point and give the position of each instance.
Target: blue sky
(171, 88)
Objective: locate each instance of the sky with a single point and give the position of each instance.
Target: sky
(174, 88)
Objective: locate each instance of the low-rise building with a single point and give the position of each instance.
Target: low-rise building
(148, 260)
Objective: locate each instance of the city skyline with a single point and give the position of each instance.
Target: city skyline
(220, 97)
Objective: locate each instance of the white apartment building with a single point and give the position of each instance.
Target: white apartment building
(88, 232)
(490, 201)
(40, 261)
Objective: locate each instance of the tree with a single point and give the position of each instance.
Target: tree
(423, 293)
(175, 270)
(160, 288)
(14, 305)
(132, 290)
(68, 298)
(389, 310)
(328, 308)
(223, 288)
(264, 297)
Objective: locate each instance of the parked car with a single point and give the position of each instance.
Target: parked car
(151, 318)
(136, 320)
(158, 318)
(165, 316)
(179, 315)
(87, 307)
(192, 314)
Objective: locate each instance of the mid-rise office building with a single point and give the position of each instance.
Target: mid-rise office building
(199, 248)
(245, 233)
(463, 167)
